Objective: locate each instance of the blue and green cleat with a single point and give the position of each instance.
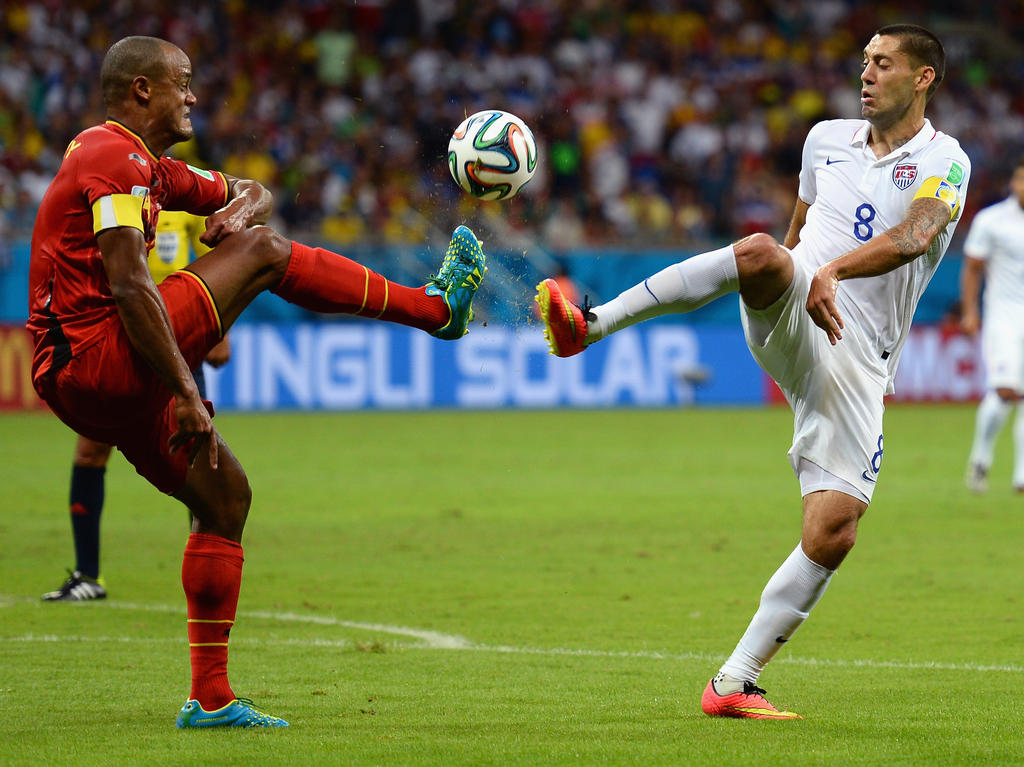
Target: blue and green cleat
(241, 712)
(457, 281)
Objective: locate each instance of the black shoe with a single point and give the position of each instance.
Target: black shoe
(77, 588)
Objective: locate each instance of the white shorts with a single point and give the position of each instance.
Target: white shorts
(1002, 346)
(814, 478)
(836, 392)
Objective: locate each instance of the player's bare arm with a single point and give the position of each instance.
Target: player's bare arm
(144, 315)
(970, 289)
(250, 203)
(796, 223)
(220, 354)
(893, 248)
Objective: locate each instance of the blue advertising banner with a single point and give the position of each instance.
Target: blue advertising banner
(350, 365)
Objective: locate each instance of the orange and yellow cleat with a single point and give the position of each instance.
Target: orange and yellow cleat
(565, 324)
(749, 704)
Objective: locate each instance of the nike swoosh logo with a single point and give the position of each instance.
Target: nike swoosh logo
(781, 639)
(764, 713)
(866, 476)
(830, 161)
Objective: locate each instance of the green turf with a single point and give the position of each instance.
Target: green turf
(583, 575)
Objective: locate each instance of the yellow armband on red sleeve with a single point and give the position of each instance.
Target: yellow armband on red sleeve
(115, 210)
(941, 189)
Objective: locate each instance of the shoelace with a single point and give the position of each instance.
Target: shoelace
(587, 306)
(450, 256)
(256, 712)
(75, 579)
(749, 688)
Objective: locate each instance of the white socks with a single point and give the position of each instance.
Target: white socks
(992, 414)
(785, 603)
(1018, 450)
(679, 288)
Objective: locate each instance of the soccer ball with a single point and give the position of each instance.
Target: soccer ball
(492, 154)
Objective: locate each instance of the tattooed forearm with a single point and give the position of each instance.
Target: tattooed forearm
(925, 219)
(900, 245)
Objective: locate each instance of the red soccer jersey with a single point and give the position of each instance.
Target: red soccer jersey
(108, 178)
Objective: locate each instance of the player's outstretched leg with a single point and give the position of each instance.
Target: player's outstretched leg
(257, 259)
(565, 323)
(322, 281)
(746, 703)
(457, 281)
(679, 288)
(240, 712)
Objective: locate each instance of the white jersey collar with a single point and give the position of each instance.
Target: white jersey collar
(923, 136)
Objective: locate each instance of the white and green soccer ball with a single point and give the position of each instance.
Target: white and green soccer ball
(492, 155)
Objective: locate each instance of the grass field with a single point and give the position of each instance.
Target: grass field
(521, 589)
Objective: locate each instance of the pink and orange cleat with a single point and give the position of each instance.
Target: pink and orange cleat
(565, 324)
(749, 704)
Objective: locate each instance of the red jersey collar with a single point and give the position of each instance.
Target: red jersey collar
(134, 135)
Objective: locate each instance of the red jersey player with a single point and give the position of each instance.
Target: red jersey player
(113, 352)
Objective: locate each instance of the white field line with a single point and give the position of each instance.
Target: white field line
(431, 639)
(434, 640)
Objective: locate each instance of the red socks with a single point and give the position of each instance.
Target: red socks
(322, 281)
(211, 573)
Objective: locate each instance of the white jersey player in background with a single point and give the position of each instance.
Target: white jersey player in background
(878, 201)
(994, 250)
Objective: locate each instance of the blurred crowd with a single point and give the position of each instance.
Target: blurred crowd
(659, 123)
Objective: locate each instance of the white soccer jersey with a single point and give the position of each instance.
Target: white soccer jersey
(855, 196)
(996, 236)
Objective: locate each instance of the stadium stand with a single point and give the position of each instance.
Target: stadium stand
(660, 128)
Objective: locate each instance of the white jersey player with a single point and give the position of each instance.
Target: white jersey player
(994, 250)
(878, 201)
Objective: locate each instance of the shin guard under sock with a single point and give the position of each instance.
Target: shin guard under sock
(211, 574)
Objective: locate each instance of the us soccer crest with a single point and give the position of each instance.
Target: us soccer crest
(903, 175)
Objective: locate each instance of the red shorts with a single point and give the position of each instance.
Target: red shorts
(110, 394)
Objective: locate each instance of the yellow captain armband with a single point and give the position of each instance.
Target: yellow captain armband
(941, 189)
(115, 210)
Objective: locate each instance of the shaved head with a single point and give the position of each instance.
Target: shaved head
(127, 59)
